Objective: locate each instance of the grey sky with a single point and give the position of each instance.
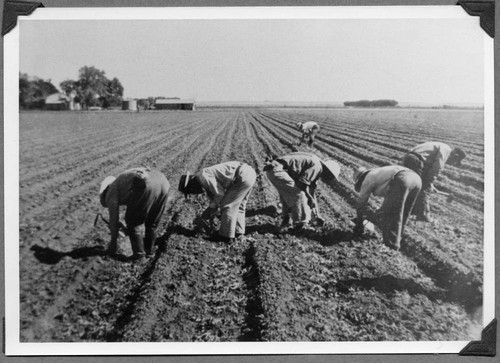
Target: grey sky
(410, 60)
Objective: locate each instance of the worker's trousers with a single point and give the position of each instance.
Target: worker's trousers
(398, 203)
(293, 199)
(234, 202)
(422, 206)
(146, 206)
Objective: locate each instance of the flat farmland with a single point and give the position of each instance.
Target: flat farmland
(320, 285)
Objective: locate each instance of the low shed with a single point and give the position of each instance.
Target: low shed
(174, 104)
(57, 102)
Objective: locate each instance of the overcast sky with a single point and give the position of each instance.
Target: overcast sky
(409, 60)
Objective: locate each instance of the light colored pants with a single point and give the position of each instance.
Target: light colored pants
(234, 202)
(292, 198)
(397, 206)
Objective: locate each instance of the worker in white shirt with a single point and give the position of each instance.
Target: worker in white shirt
(427, 160)
(144, 192)
(309, 131)
(295, 176)
(399, 186)
(228, 186)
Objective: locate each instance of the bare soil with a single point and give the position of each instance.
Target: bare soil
(320, 285)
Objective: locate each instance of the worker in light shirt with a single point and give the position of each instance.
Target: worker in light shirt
(228, 186)
(427, 160)
(295, 176)
(399, 186)
(144, 192)
(309, 131)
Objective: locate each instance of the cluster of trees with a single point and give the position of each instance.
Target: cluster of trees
(33, 91)
(376, 103)
(92, 88)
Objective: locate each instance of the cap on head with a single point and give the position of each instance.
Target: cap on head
(104, 186)
(188, 184)
(459, 153)
(357, 173)
(332, 166)
(299, 125)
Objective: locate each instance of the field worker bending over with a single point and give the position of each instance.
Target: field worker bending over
(427, 160)
(295, 176)
(400, 186)
(228, 186)
(309, 130)
(144, 192)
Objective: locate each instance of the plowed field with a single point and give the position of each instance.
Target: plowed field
(322, 285)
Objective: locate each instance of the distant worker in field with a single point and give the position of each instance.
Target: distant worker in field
(144, 192)
(399, 186)
(295, 176)
(228, 186)
(309, 130)
(427, 160)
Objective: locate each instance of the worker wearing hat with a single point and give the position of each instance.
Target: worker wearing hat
(309, 131)
(399, 186)
(144, 192)
(228, 186)
(427, 160)
(295, 177)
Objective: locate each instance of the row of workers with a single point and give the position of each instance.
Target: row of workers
(228, 186)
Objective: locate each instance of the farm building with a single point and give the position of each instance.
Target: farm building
(130, 105)
(174, 104)
(57, 102)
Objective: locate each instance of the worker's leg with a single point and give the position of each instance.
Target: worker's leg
(250, 176)
(154, 217)
(393, 211)
(414, 184)
(294, 198)
(237, 194)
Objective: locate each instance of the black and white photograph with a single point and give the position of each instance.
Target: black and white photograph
(234, 180)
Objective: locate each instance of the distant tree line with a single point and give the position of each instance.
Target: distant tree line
(92, 88)
(376, 103)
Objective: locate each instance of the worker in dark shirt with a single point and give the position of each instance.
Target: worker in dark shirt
(295, 177)
(144, 192)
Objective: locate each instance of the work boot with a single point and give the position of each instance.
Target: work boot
(137, 244)
(149, 241)
(216, 237)
(286, 221)
(423, 218)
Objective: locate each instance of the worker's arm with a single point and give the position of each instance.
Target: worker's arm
(437, 166)
(213, 189)
(362, 205)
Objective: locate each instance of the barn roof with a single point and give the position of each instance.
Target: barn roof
(57, 98)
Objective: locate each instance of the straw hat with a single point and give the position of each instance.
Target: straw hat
(332, 166)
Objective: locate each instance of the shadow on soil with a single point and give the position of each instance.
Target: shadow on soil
(252, 330)
(51, 257)
(327, 237)
(267, 211)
